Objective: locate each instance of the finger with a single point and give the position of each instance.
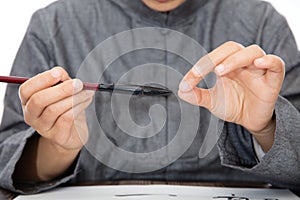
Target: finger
(239, 59)
(197, 96)
(41, 82)
(37, 102)
(271, 62)
(51, 114)
(207, 64)
(69, 118)
(275, 67)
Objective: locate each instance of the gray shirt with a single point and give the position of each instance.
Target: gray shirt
(65, 33)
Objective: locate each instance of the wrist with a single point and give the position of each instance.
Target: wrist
(266, 136)
(58, 149)
(53, 160)
(267, 131)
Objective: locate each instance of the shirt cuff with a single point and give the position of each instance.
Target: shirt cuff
(258, 149)
(13, 148)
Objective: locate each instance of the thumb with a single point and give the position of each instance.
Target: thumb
(197, 96)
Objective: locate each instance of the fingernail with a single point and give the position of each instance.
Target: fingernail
(220, 69)
(78, 85)
(184, 86)
(55, 73)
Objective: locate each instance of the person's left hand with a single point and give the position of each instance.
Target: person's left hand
(247, 86)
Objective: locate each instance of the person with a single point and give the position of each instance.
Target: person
(253, 54)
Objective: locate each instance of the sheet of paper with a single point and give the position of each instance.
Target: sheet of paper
(159, 192)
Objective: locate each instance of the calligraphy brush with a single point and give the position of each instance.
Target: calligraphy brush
(139, 90)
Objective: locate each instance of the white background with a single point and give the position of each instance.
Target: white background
(15, 16)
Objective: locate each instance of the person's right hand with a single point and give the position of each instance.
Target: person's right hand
(57, 111)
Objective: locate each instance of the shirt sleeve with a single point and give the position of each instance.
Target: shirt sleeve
(33, 57)
(280, 165)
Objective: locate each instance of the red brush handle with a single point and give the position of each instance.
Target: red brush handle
(13, 79)
(90, 86)
(20, 80)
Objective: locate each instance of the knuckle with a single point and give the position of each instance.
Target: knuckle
(66, 118)
(43, 120)
(230, 43)
(234, 45)
(280, 60)
(254, 46)
(51, 110)
(27, 119)
(35, 102)
(31, 106)
(282, 63)
(47, 78)
(22, 93)
(44, 77)
(64, 72)
(256, 49)
(60, 68)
